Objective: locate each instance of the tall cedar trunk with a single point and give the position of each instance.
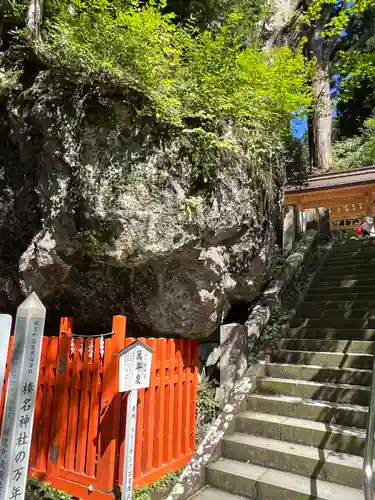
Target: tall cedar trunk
(322, 119)
(310, 137)
(34, 19)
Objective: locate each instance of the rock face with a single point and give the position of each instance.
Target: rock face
(104, 212)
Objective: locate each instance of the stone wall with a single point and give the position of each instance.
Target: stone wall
(236, 338)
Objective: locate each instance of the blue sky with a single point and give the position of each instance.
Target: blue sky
(299, 127)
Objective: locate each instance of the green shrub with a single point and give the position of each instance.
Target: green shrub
(182, 71)
(37, 490)
(358, 151)
(158, 490)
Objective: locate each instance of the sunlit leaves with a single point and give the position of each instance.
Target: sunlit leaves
(183, 71)
(340, 16)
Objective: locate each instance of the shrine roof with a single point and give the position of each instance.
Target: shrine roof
(331, 180)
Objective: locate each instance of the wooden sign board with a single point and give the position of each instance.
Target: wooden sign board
(135, 372)
(20, 399)
(135, 367)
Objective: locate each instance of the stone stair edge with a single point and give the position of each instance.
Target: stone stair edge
(308, 401)
(333, 368)
(311, 424)
(312, 383)
(342, 468)
(268, 482)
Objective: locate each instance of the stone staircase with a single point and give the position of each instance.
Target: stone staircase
(303, 434)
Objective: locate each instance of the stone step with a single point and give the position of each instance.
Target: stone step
(312, 312)
(354, 314)
(354, 263)
(345, 393)
(328, 272)
(339, 305)
(294, 430)
(261, 483)
(319, 374)
(304, 460)
(365, 268)
(349, 262)
(349, 346)
(310, 409)
(326, 359)
(348, 243)
(345, 295)
(354, 257)
(333, 322)
(213, 494)
(350, 249)
(363, 289)
(340, 282)
(333, 274)
(354, 251)
(347, 334)
(366, 293)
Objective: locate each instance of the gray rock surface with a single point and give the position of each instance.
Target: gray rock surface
(103, 212)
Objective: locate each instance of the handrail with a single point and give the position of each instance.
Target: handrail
(369, 446)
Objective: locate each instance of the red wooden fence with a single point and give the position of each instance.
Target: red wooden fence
(79, 424)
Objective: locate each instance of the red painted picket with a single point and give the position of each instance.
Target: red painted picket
(79, 423)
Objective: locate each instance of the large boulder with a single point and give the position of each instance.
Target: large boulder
(103, 211)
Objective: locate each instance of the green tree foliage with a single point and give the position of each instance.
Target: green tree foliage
(336, 15)
(357, 66)
(197, 76)
(297, 161)
(353, 108)
(357, 151)
(328, 29)
(184, 72)
(354, 65)
(210, 12)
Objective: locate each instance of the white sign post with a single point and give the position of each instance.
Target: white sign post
(135, 371)
(5, 327)
(20, 399)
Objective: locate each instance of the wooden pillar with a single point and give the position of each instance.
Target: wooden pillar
(367, 204)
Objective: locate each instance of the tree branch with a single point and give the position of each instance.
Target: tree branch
(362, 40)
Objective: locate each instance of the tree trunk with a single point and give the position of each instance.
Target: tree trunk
(34, 19)
(322, 119)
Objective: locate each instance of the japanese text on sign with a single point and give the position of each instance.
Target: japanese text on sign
(135, 367)
(20, 399)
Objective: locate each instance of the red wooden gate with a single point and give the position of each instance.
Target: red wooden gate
(78, 434)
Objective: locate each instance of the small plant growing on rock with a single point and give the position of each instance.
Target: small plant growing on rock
(207, 407)
(191, 205)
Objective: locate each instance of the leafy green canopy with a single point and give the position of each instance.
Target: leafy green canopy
(357, 151)
(207, 13)
(183, 71)
(348, 31)
(337, 14)
(357, 67)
